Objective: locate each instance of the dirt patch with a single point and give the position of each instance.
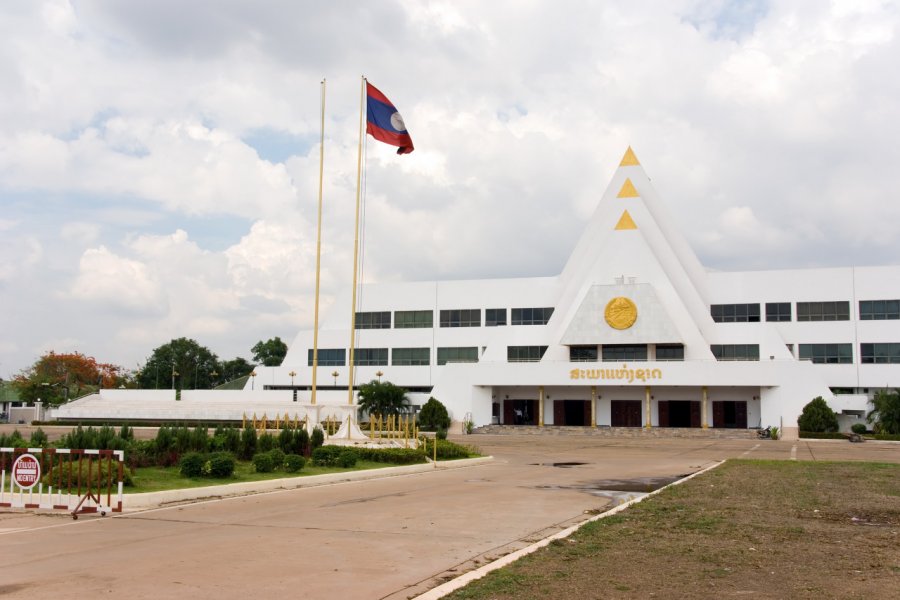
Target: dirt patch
(762, 529)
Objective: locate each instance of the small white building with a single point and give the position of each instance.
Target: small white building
(634, 332)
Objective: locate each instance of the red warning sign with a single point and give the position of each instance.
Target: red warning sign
(26, 471)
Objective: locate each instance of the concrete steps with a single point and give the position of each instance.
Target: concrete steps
(619, 432)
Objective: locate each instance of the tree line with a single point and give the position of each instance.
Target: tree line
(181, 363)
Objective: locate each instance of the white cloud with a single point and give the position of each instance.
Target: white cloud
(122, 128)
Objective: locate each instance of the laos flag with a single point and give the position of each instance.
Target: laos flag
(384, 123)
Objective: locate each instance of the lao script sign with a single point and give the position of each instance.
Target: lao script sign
(26, 471)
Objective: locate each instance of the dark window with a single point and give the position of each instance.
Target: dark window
(452, 355)
(413, 319)
(823, 311)
(583, 353)
(405, 357)
(879, 310)
(494, 317)
(461, 318)
(531, 316)
(669, 352)
(735, 351)
(373, 320)
(879, 353)
(778, 311)
(525, 353)
(370, 357)
(328, 357)
(827, 354)
(735, 313)
(624, 352)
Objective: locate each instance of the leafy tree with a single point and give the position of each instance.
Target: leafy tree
(235, 368)
(433, 416)
(54, 378)
(817, 416)
(270, 353)
(182, 364)
(886, 412)
(377, 398)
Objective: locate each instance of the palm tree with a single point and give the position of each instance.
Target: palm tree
(382, 398)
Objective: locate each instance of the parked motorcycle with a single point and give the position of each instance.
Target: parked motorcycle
(765, 434)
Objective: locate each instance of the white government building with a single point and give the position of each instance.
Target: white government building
(634, 332)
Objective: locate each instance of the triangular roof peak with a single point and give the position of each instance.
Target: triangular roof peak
(629, 159)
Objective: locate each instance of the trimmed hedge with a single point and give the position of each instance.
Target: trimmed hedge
(294, 463)
(822, 435)
(393, 456)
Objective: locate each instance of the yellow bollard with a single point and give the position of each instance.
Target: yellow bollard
(244, 421)
(277, 418)
(254, 420)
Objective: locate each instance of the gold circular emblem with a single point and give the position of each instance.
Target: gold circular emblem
(620, 313)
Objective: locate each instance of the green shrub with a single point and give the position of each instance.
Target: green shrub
(38, 438)
(885, 415)
(895, 437)
(263, 463)
(54, 477)
(394, 456)
(450, 451)
(817, 417)
(441, 433)
(248, 443)
(231, 440)
(346, 459)
(277, 457)
(293, 463)
(266, 442)
(326, 456)
(200, 439)
(191, 464)
(858, 428)
(301, 442)
(183, 439)
(221, 465)
(286, 440)
(126, 433)
(12, 440)
(317, 438)
(433, 416)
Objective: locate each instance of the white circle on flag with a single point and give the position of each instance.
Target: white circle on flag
(26, 471)
(397, 122)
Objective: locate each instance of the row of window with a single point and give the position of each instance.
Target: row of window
(372, 357)
(876, 353)
(869, 310)
(464, 317)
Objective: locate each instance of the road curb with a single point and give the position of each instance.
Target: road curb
(149, 500)
(466, 578)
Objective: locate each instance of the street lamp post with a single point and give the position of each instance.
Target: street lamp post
(378, 374)
(292, 374)
(212, 377)
(335, 375)
(253, 380)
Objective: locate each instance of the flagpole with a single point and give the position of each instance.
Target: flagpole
(353, 292)
(315, 360)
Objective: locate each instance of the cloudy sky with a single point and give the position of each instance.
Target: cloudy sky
(159, 159)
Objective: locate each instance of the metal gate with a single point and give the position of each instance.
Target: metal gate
(78, 481)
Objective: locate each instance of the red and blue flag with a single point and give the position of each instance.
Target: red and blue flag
(384, 123)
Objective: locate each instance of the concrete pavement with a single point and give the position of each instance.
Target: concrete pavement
(385, 538)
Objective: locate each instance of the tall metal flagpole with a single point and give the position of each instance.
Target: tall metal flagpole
(315, 360)
(353, 293)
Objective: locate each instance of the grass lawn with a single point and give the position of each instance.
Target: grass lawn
(158, 479)
(760, 529)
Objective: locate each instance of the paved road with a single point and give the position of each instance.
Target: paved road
(389, 538)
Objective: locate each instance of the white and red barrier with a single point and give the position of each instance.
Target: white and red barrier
(78, 481)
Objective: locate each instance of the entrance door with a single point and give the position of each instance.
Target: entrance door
(625, 413)
(679, 413)
(572, 413)
(520, 412)
(730, 414)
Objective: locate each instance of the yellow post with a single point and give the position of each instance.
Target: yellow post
(254, 420)
(435, 450)
(244, 421)
(406, 432)
(647, 405)
(594, 406)
(277, 421)
(704, 412)
(265, 419)
(315, 349)
(354, 292)
(540, 406)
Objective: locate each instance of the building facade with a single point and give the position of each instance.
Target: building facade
(634, 332)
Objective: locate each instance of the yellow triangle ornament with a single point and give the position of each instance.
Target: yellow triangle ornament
(625, 222)
(627, 190)
(629, 160)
